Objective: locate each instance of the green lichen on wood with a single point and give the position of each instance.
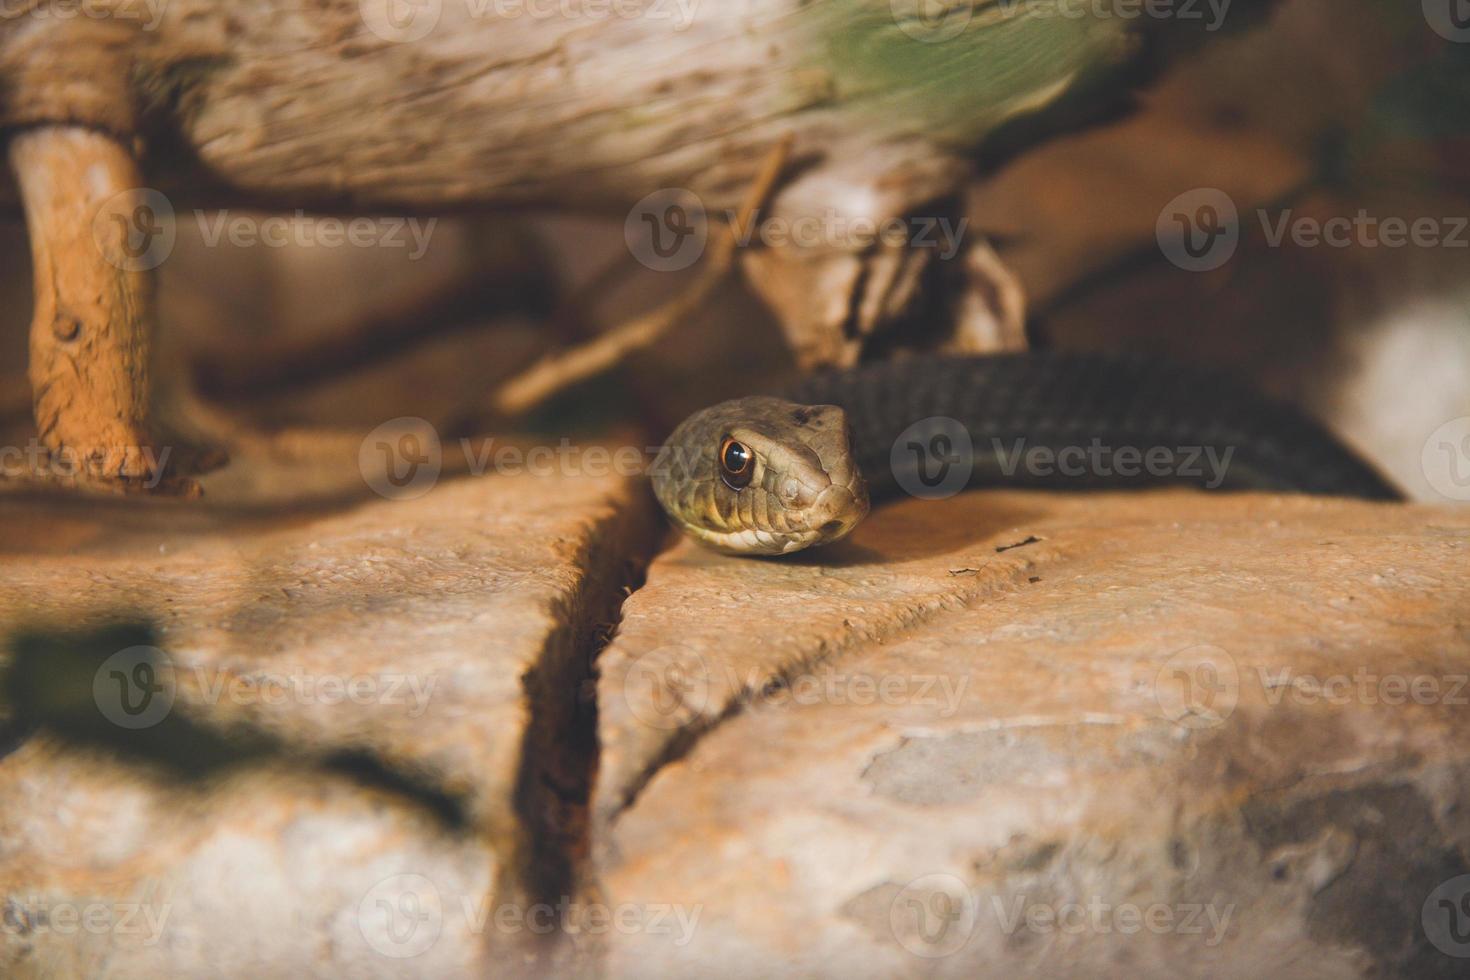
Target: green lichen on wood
(960, 78)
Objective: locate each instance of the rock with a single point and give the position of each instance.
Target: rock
(112, 869)
(1159, 734)
(1113, 734)
(352, 687)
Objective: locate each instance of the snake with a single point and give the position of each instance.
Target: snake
(775, 474)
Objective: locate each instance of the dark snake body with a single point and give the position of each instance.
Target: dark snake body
(1051, 401)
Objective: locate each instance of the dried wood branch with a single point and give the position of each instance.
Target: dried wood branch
(559, 371)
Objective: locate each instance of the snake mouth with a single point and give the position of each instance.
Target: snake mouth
(836, 511)
(831, 517)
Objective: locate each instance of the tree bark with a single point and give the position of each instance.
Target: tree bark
(93, 242)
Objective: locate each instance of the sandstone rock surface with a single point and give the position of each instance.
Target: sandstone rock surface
(1004, 735)
(1122, 735)
(339, 690)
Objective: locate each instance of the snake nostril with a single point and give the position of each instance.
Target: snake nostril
(831, 527)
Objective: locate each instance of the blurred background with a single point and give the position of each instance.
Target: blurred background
(1331, 109)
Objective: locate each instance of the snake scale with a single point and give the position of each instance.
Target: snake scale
(764, 475)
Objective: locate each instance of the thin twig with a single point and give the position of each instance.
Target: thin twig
(557, 371)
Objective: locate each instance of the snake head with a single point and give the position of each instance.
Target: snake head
(762, 476)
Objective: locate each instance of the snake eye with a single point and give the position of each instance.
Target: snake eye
(737, 464)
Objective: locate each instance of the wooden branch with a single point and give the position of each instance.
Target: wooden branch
(90, 230)
(559, 371)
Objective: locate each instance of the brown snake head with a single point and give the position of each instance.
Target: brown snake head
(761, 476)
